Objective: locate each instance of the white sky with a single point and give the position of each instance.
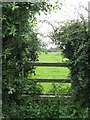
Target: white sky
(69, 10)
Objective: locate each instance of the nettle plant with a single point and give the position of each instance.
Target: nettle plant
(73, 39)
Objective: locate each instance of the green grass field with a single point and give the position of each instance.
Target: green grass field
(52, 72)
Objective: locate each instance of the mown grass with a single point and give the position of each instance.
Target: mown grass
(52, 72)
(52, 57)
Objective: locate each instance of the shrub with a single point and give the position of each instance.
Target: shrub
(73, 39)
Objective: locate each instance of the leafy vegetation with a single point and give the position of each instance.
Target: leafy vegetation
(20, 44)
(73, 38)
(31, 109)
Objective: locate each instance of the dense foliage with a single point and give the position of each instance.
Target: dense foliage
(20, 44)
(73, 39)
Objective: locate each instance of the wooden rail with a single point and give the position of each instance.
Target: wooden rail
(41, 96)
(44, 97)
(51, 80)
(46, 93)
(49, 64)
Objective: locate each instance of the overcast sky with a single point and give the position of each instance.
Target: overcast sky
(69, 10)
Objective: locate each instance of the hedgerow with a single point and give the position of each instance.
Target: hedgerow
(20, 44)
(73, 39)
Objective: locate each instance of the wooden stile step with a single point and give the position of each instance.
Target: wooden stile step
(51, 80)
(49, 64)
